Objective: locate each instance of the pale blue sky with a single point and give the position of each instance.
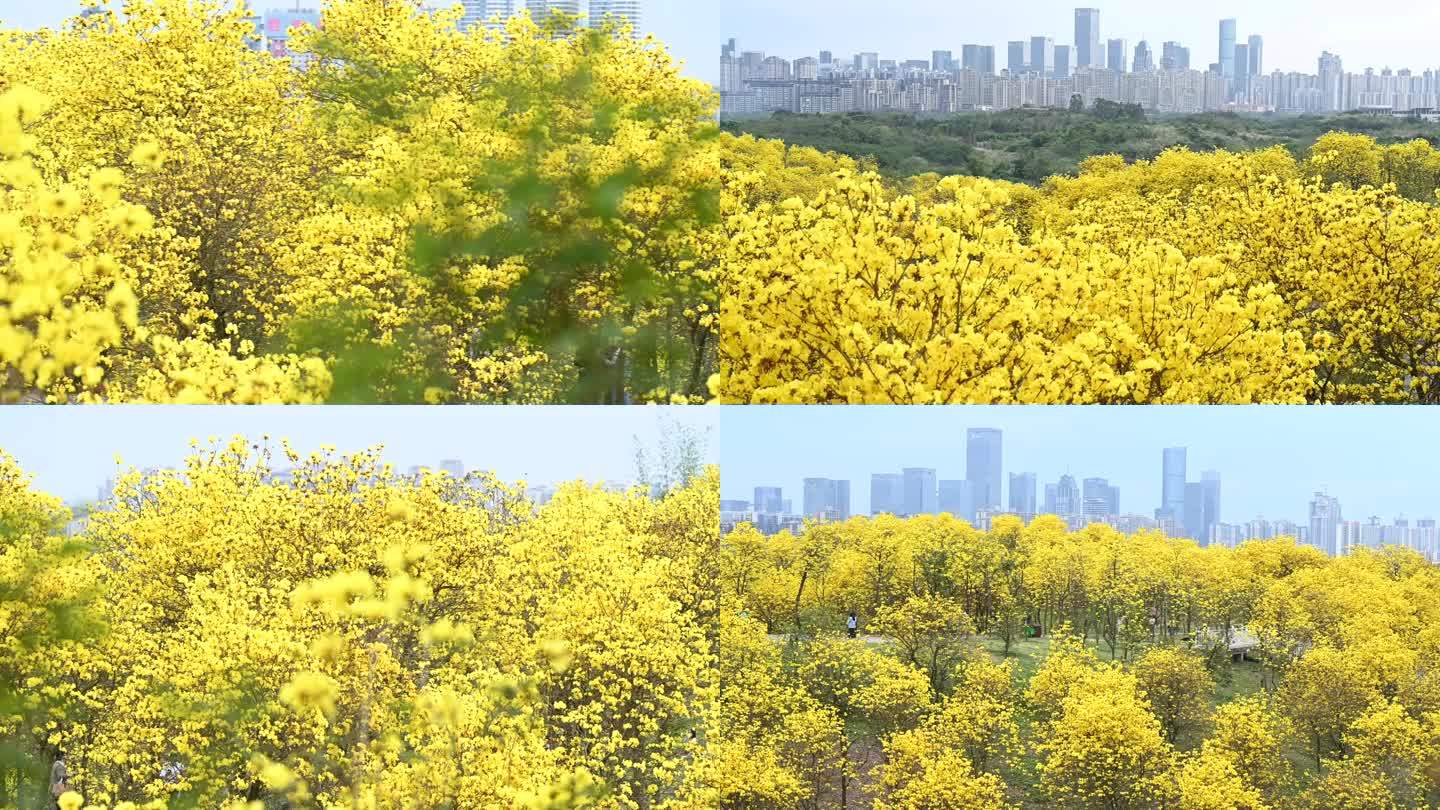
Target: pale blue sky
(1377, 461)
(691, 28)
(70, 450)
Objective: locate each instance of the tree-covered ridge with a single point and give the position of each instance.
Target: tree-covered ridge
(1216, 277)
(343, 636)
(1029, 666)
(422, 215)
(1028, 146)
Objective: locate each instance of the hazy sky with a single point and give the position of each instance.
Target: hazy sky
(1398, 34)
(691, 28)
(1377, 461)
(70, 450)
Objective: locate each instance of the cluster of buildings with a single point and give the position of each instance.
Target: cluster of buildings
(484, 12)
(1188, 509)
(1038, 72)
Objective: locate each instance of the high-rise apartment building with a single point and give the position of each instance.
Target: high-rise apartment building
(542, 9)
(1087, 38)
(1325, 519)
(1022, 494)
(983, 466)
(920, 491)
(1227, 48)
(1332, 75)
(622, 11)
(942, 60)
(1117, 55)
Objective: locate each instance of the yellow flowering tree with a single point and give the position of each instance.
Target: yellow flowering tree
(339, 635)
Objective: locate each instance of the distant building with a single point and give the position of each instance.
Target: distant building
(280, 27)
(1042, 55)
(1022, 494)
(920, 492)
(957, 499)
(1227, 48)
(826, 499)
(622, 11)
(887, 494)
(1087, 38)
(1117, 55)
(769, 501)
(983, 463)
(1325, 520)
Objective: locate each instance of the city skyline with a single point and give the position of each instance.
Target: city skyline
(1296, 31)
(781, 447)
(71, 452)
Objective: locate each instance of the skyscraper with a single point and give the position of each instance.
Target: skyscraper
(1257, 56)
(1067, 497)
(982, 467)
(887, 494)
(1174, 56)
(1042, 55)
(1022, 493)
(627, 11)
(1062, 61)
(1202, 507)
(1144, 58)
(1324, 521)
(1016, 62)
(955, 499)
(1242, 77)
(1087, 38)
(920, 492)
(1099, 499)
(1332, 74)
(942, 60)
(1210, 491)
(1117, 55)
(980, 58)
(1172, 484)
(768, 501)
(1227, 48)
(827, 498)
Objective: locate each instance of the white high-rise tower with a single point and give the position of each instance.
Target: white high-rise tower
(628, 10)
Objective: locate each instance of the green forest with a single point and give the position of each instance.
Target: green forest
(1030, 145)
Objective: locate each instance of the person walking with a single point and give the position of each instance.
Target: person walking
(59, 780)
(852, 625)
